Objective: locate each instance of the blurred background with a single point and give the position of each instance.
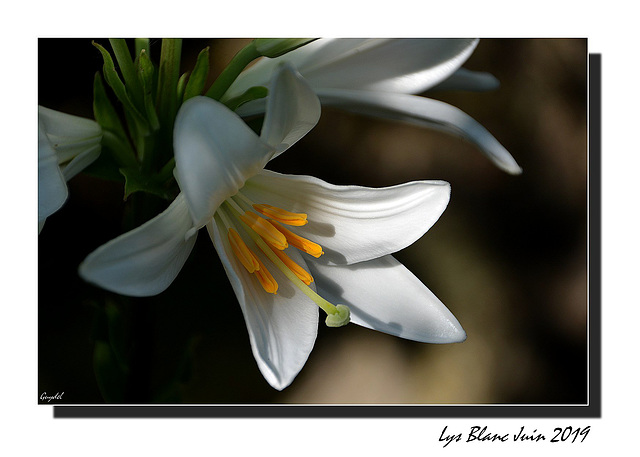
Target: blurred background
(508, 256)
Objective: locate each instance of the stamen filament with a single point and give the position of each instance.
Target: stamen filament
(303, 244)
(281, 215)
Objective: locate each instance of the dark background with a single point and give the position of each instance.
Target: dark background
(508, 256)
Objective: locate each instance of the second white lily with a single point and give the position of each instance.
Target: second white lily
(289, 244)
(379, 77)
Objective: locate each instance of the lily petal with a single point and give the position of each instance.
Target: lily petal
(383, 295)
(396, 65)
(146, 260)
(314, 54)
(63, 125)
(52, 187)
(352, 223)
(216, 152)
(76, 140)
(293, 109)
(425, 112)
(463, 79)
(282, 327)
(82, 160)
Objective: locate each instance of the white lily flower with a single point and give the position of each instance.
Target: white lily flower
(378, 77)
(289, 244)
(66, 145)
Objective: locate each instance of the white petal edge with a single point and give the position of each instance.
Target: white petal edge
(293, 109)
(283, 327)
(423, 112)
(384, 295)
(353, 223)
(216, 152)
(146, 260)
(52, 187)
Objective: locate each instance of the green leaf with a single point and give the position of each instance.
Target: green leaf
(199, 76)
(106, 115)
(166, 102)
(145, 71)
(253, 93)
(168, 75)
(103, 111)
(128, 70)
(182, 83)
(142, 44)
(141, 126)
(238, 63)
(136, 181)
(275, 47)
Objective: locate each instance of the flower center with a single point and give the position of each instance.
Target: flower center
(272, 239)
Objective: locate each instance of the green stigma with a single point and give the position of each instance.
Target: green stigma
(342, 316)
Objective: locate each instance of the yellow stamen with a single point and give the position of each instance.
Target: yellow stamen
(267, 281)
(281, 215)
(263, 228)
(303, 244)
(300, 272)
(242, 252)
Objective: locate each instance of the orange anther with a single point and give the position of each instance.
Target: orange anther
(299, 242)
(282, 215)
(265, 229)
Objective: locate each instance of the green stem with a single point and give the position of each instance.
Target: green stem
(239, 62)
